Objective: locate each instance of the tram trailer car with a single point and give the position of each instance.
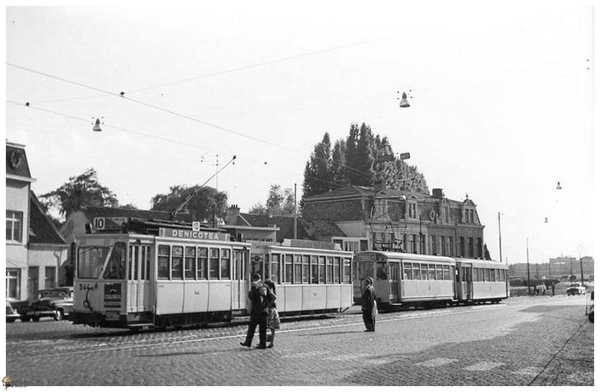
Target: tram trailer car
(180, 277)
(308, 280)
(413, 280)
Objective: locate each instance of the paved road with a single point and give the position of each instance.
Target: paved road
(525, 341)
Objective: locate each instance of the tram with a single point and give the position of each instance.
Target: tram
(406, 279)
(307, 279)
(163, 273)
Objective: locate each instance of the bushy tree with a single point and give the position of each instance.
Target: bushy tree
(80, 191)
(206, 204)
(361, 159)
(279, 203)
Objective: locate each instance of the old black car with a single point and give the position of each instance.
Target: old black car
(56, 303)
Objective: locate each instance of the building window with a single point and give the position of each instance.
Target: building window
(14, 226)
(434, 250)
(33, 279)
(50, 278)
(13, 283)
(443, 241)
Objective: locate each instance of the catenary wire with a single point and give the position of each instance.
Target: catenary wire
(167, 111)
(283, 59)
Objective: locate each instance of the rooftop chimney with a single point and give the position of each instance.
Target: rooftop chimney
(438, 193)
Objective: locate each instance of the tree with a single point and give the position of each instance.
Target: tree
(279, 203)
(207, 204)
(318, 174)
(359, 156)
(80, 191)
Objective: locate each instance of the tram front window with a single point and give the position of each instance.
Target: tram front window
(90, 261)
(365, 270)
(116, 265)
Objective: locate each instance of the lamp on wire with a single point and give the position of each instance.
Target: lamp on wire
(404, 101)
(97, 127)
(558, 187)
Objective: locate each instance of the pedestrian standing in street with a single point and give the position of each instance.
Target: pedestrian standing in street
(258, 313)
(369, 306)
(272, 314)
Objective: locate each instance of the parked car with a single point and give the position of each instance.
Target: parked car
(11, 313)
(56, 303)
(576, 289)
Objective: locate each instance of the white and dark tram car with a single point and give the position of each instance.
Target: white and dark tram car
(414, 280)
(160, 274)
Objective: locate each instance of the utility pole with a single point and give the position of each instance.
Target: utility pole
(499, 237)
(528, 276)
(295, 215)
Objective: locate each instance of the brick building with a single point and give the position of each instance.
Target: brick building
(387, 219)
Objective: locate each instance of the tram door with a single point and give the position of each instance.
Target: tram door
(465, 282)
(138, 279)
(394, 277)
(240, 283)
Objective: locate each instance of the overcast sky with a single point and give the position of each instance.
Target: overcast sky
(501, 107)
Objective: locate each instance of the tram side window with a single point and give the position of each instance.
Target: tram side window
(297, 269)
(487, 275)
(305, 268)
(347, 271)
(213, 264)
(424, 273)
(288, 269)
(336, 269)
(190, 260)
(132, 262)
(163, 261)
(439, 272)
(492, 275)
(321, 269)
(314, 265)
(416, 271)
(431, 271)
(329, 275)
(116, 264)
(447, 272)
(202, 267)
(225, 263)
(145, 263)
(408, 271)
(275, 267)
(177, 262)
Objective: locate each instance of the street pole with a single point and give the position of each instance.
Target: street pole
(528, 276)
(499, 236)
(581, 266)
(421, 235)
(295, 216)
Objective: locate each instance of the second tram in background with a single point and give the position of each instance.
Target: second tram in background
(406, 279)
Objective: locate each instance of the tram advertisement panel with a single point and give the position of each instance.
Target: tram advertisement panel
(112, 295)
(198, 235)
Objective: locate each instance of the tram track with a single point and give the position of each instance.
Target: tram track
(73, 343)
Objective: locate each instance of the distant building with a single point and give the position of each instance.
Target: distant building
(557, 268)
(35, 251)
(386, 219)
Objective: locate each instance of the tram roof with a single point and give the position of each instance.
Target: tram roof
(410, 256)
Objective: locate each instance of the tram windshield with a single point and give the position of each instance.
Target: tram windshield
(116, 265)
(90, 261)
(365, 270)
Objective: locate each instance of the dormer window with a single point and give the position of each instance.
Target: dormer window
(412, 210)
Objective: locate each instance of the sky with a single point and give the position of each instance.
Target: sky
(501, 95)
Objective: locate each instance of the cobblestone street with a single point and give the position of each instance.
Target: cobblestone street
(530, 341)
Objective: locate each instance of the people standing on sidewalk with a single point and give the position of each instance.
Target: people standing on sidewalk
(273, 322)
(258, 313)
(369, 306)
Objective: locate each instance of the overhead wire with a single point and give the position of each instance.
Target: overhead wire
(283, 59)
(121, 96)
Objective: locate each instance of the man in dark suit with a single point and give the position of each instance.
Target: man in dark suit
(258, 313)
(368, 306)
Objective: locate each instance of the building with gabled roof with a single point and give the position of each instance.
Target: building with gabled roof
(35, 251)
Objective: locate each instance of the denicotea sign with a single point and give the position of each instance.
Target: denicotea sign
(197, 235)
